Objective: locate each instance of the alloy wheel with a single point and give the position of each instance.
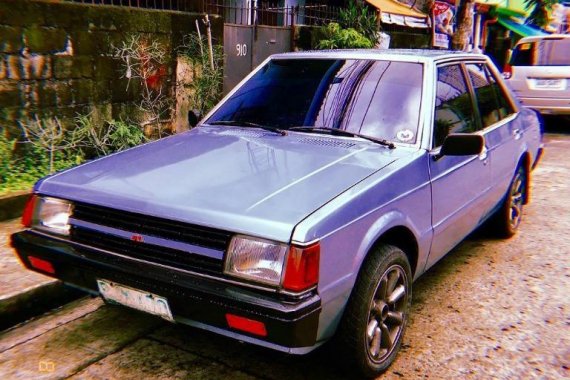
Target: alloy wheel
(387, 314)
(517, 199)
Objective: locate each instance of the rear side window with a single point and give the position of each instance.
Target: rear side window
(491, 100)
(453, 105)
(547, 52)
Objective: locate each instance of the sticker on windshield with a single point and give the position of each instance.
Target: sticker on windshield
(405, 135)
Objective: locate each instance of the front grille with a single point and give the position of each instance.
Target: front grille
(153, 226)
(150, 226)
(148, 252)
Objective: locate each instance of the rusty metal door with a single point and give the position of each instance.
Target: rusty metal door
(246, 46)
(270, 40)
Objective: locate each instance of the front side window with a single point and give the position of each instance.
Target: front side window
(453, 105)
(376, 98)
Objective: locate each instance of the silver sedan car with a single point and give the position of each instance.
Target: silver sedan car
(539, 73)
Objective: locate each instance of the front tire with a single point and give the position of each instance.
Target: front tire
(373, 325)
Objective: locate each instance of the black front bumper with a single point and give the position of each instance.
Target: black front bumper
(193, 299)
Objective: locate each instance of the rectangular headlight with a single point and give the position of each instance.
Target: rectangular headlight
(52, 215)
(256, 260)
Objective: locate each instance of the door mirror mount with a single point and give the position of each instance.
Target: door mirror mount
(461, 144)
(193, 118)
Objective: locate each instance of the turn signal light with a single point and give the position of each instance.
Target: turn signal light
(43, 265)
(302, 268)
(245, 324)
(29, 211)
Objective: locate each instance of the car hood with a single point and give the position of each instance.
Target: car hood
(243, 180)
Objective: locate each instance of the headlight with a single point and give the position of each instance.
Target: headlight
(52, 215)
(256, 260)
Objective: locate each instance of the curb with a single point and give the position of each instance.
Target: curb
(36, 300)
(12, 205)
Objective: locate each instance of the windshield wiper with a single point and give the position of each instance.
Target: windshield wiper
(238, 123)
(341, 132)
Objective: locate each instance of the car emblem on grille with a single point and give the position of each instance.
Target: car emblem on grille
(138, 238)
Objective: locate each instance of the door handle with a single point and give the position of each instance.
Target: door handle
(483, 156)
(517, 133)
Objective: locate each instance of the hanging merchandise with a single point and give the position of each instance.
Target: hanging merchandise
(443, 14)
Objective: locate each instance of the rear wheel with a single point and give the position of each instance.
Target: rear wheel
(509, 216)
(375, 318)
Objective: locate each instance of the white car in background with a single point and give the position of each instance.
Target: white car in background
(539, 73)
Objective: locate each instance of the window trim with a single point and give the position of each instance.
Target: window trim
(461, 63)
(498, 79)
(509, 97)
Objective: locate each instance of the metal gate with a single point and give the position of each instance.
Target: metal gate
(246, 46)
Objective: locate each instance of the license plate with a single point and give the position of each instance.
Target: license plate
(550, 84)
(137, 299)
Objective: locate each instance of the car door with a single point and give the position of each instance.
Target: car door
(502, 133)
(460, 184)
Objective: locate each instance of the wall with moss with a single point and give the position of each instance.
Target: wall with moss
(56, 57)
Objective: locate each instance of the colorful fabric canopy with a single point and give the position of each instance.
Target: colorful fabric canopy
(393, 12)
(520, 29)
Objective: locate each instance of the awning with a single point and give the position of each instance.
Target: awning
(520, 29)
(491, 3)
(393, 12)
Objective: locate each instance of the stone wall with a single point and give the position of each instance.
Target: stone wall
(56, 58)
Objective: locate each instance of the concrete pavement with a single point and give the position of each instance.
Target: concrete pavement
(23, 293)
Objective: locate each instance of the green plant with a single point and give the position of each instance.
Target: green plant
(144, 61)
(357, 16)
(49, 136)
(207, 80)
(6, 154)
(539, 11)
(115, 135)
(124, 135)
(48, 147)
(23, 163)
(338, 38)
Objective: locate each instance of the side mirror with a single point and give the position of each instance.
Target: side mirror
(193, 118)
(462, 144)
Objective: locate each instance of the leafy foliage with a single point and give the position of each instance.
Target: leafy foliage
(144, 61)
(357, 16)
(23, 163)
(206, 86)
(47, 148)
(539, 11)
(114, 136)
(50, 137)
(338, 38)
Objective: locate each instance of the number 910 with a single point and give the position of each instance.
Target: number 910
(241, 50)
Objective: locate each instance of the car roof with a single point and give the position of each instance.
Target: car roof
(410, 55)
(539, 38)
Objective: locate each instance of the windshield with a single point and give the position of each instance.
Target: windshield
(375, 98)
(547, 52)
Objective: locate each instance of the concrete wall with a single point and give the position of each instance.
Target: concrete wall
(56, 57)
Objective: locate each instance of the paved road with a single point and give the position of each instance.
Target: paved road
(490, 309)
